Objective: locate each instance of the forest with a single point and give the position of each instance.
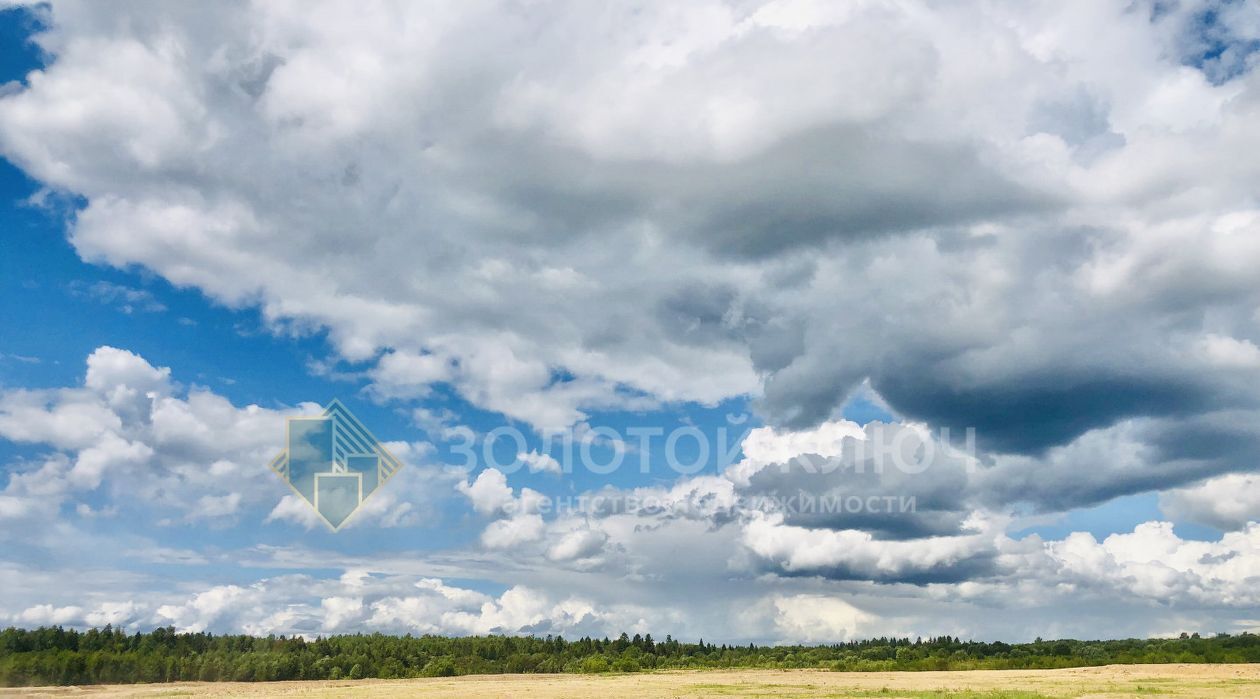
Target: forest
(58, 656)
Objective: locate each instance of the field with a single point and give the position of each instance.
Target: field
(1109, 681)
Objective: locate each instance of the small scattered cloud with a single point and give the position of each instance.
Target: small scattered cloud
(127, 299)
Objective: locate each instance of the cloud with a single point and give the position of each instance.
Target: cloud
(126, 430)
(1132, 456)
(664, 220)
(131, 439)
(207, 607)
(908, 482)
(293, 508)
(124, 298)
(400, 375)
(1229, 502)
(819, 619)
(577, 544)
(47, 615)
(66, 420)
(319, 606)
(517, 517)
(513, 531)
(489, 493)
(850, 554)
(341, 610)
(1154, 563)
(540, 463)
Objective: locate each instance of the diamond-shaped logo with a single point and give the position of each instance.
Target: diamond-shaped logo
(334, 463)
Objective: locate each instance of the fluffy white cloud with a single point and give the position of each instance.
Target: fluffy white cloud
(858, 555)
(208, 607)
(489, 493)
(126, 432)
(63, 420)
(819, 619)
(765, 446)
(1154, 563)
(339, 611)
(292, 508)
(133, 437)
(518, 519)
(1229, 502)
(120, 373)
(48, 615)
(715, 201)
(513, 531)
(577, 544)
(540, 463)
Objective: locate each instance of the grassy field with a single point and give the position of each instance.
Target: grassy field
(1110, 681)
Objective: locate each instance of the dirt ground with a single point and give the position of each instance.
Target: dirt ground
(1110, 681)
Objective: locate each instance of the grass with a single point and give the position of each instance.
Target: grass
(1112, 682)
(760, 689)
(945, 694)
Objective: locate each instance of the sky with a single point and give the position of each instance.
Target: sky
(776, 322)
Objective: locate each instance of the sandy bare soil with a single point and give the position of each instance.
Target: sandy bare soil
(1110, 681)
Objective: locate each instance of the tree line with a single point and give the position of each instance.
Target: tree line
(59, 656)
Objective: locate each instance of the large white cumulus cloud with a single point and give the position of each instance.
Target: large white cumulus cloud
(132, 439)
(986, 211)
(129, 432)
